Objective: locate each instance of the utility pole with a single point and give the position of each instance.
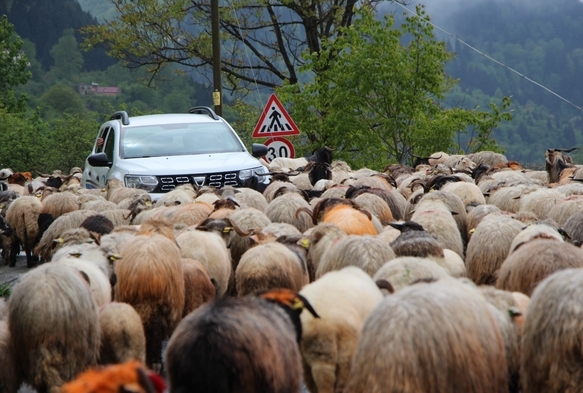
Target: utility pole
(217, 84)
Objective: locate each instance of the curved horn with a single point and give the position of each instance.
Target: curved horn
(566, 150)
(307, 211)
(384, 284)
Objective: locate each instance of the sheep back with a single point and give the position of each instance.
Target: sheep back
(122, 334)
(54, 326)
(427, 338)
(241, 345)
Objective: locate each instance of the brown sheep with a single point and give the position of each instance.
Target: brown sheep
(437, 337)
(198, 287)
(526, 267)
(269, 266)
(344, 213)
(122, 334)
(54, 326)
(242, 345)
(154, 260)
(367, 252)
(117, 192)
(550, 359)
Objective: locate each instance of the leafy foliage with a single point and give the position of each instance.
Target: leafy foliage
(13, 65)
(377, 100)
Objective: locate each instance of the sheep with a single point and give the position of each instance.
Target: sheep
(246, 219)
(54, 326)
(118, 216)
(209, 249)
(154, 260)
(565, 208)
(98, 280)
(74, 219)
(122, 334)
(117, 192)
(60, 203)
(93, 254)
(225, 228)
(178, 196)
(396, 202)
(344, 299)
(403, 271)
(469, 193)
(550, 358)
(22, 216)
(534, 231)
(540, 202)
(436, 218)
(574, 228)
(367, 252)
(476, 215)
(98, 205)
(320, 238)
(244, 345)
(269, 266)
(191, 214)
(281, 229)
(198, 287)
(437, 337)
(283, 209)
(10, 380)
(526, 267)
(224, 208)
(489, 246)
(287, 164)
(376, 206)
(488, 158)
(278, 187)
(248, 197)
(114, 242)
(556, 162)
(344, 213)
(508, 315)
(98, 224)
(414, 241)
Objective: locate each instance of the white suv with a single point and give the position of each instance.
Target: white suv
(159, 152)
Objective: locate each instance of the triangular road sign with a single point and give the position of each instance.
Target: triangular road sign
(274, 121)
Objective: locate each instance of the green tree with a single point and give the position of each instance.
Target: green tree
(261, 40)
(23, 142)
(13, 68)
(377, 100)
(67, 56)
(70, 140)
(63, 99)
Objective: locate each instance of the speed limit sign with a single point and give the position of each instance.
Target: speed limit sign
(278, 147)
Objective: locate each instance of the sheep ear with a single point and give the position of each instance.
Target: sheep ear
(514, 312)
(384, 284)
(301, 302)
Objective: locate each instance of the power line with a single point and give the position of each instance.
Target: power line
(494, 60)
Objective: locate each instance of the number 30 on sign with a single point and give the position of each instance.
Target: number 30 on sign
(278, 147)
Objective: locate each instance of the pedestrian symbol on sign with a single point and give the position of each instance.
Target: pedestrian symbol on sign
(274, 121)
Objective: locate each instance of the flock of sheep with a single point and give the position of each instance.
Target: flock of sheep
(461, 274)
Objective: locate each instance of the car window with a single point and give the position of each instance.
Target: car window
(178, 139)
(101, 136)
(109, 145)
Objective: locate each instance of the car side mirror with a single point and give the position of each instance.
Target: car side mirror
(98, 160)
(258, 150)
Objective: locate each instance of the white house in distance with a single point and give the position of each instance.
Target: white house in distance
(95, 89)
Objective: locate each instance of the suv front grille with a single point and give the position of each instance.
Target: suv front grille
(217, 180)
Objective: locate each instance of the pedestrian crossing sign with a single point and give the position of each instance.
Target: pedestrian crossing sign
(274, 121)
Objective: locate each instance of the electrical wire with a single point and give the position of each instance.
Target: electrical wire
(491, 58)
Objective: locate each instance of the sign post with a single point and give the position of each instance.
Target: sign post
(274, 123)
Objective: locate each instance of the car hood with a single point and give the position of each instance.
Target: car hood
(190, 164)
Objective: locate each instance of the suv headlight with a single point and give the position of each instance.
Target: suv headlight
(147, 183)
(259, 172)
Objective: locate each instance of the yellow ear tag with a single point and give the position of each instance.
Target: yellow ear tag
(75, 254)
(472, 230)
(148, 203)
(114, 257)
(298, 304)
(305, 242)
(227, 229)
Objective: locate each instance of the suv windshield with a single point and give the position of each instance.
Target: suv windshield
(177, 140)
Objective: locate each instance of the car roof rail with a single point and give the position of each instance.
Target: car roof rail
(121, 115)
(204, 110)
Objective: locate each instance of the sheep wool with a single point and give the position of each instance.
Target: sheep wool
(54, 326)
(198, 287)
(438, 337)
(532, 262)
(9, 380)
(243, 345)
(550, 360)
(150, 279)
(122, 334)
(403, 271)
(343, 299)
